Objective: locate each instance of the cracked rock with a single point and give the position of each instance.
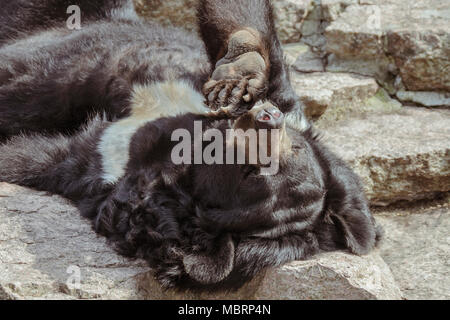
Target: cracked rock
(413, 36)
(403, 155)
(334, 93)
(417, 249)
(47, 251)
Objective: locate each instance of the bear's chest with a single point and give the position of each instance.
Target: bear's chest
(148, 103)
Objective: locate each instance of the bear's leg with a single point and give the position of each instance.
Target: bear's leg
(242, 43)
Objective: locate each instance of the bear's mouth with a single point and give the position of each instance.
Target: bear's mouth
(269, 118)
(267, 123)
(261, 116)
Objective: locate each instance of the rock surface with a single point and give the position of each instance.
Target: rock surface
(424, 98)
(180, 13)
(404, 155)
(45, 246)
(308, 61)
(329, 92)
(411, 39)
(290, 16)
(334, 275)
(417, 249)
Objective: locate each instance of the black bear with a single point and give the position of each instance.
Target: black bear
(90, 114)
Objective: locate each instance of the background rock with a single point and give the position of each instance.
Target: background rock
(42, 236)
(404, 155)
(180, 13)
(417, 249)
(290, 16)
(411, 39)
(308, 61)
(326, 92)
(334, 275)
(331, 276)
(332, 9)
(427, 99)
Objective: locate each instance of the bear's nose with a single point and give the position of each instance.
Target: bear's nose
(270, 118)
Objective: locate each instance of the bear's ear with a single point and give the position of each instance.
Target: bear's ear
(348, 220)
(357, 229)
(213, 267)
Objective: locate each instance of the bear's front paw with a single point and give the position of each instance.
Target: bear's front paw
(241, 76)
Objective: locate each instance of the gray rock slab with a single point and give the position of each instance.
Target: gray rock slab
(46, 247)
(399, 156)
(417, 249)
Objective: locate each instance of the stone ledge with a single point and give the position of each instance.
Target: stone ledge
(324, 93)
(41, 236)
(415, 35)
(417, 249)
(328, 276)
(399, 156)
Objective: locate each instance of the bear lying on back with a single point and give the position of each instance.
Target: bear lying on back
(199, 225)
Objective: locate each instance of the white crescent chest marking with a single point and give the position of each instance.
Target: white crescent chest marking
(148, 103)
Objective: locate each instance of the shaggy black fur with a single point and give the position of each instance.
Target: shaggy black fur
(53, 80)
(198, 226)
